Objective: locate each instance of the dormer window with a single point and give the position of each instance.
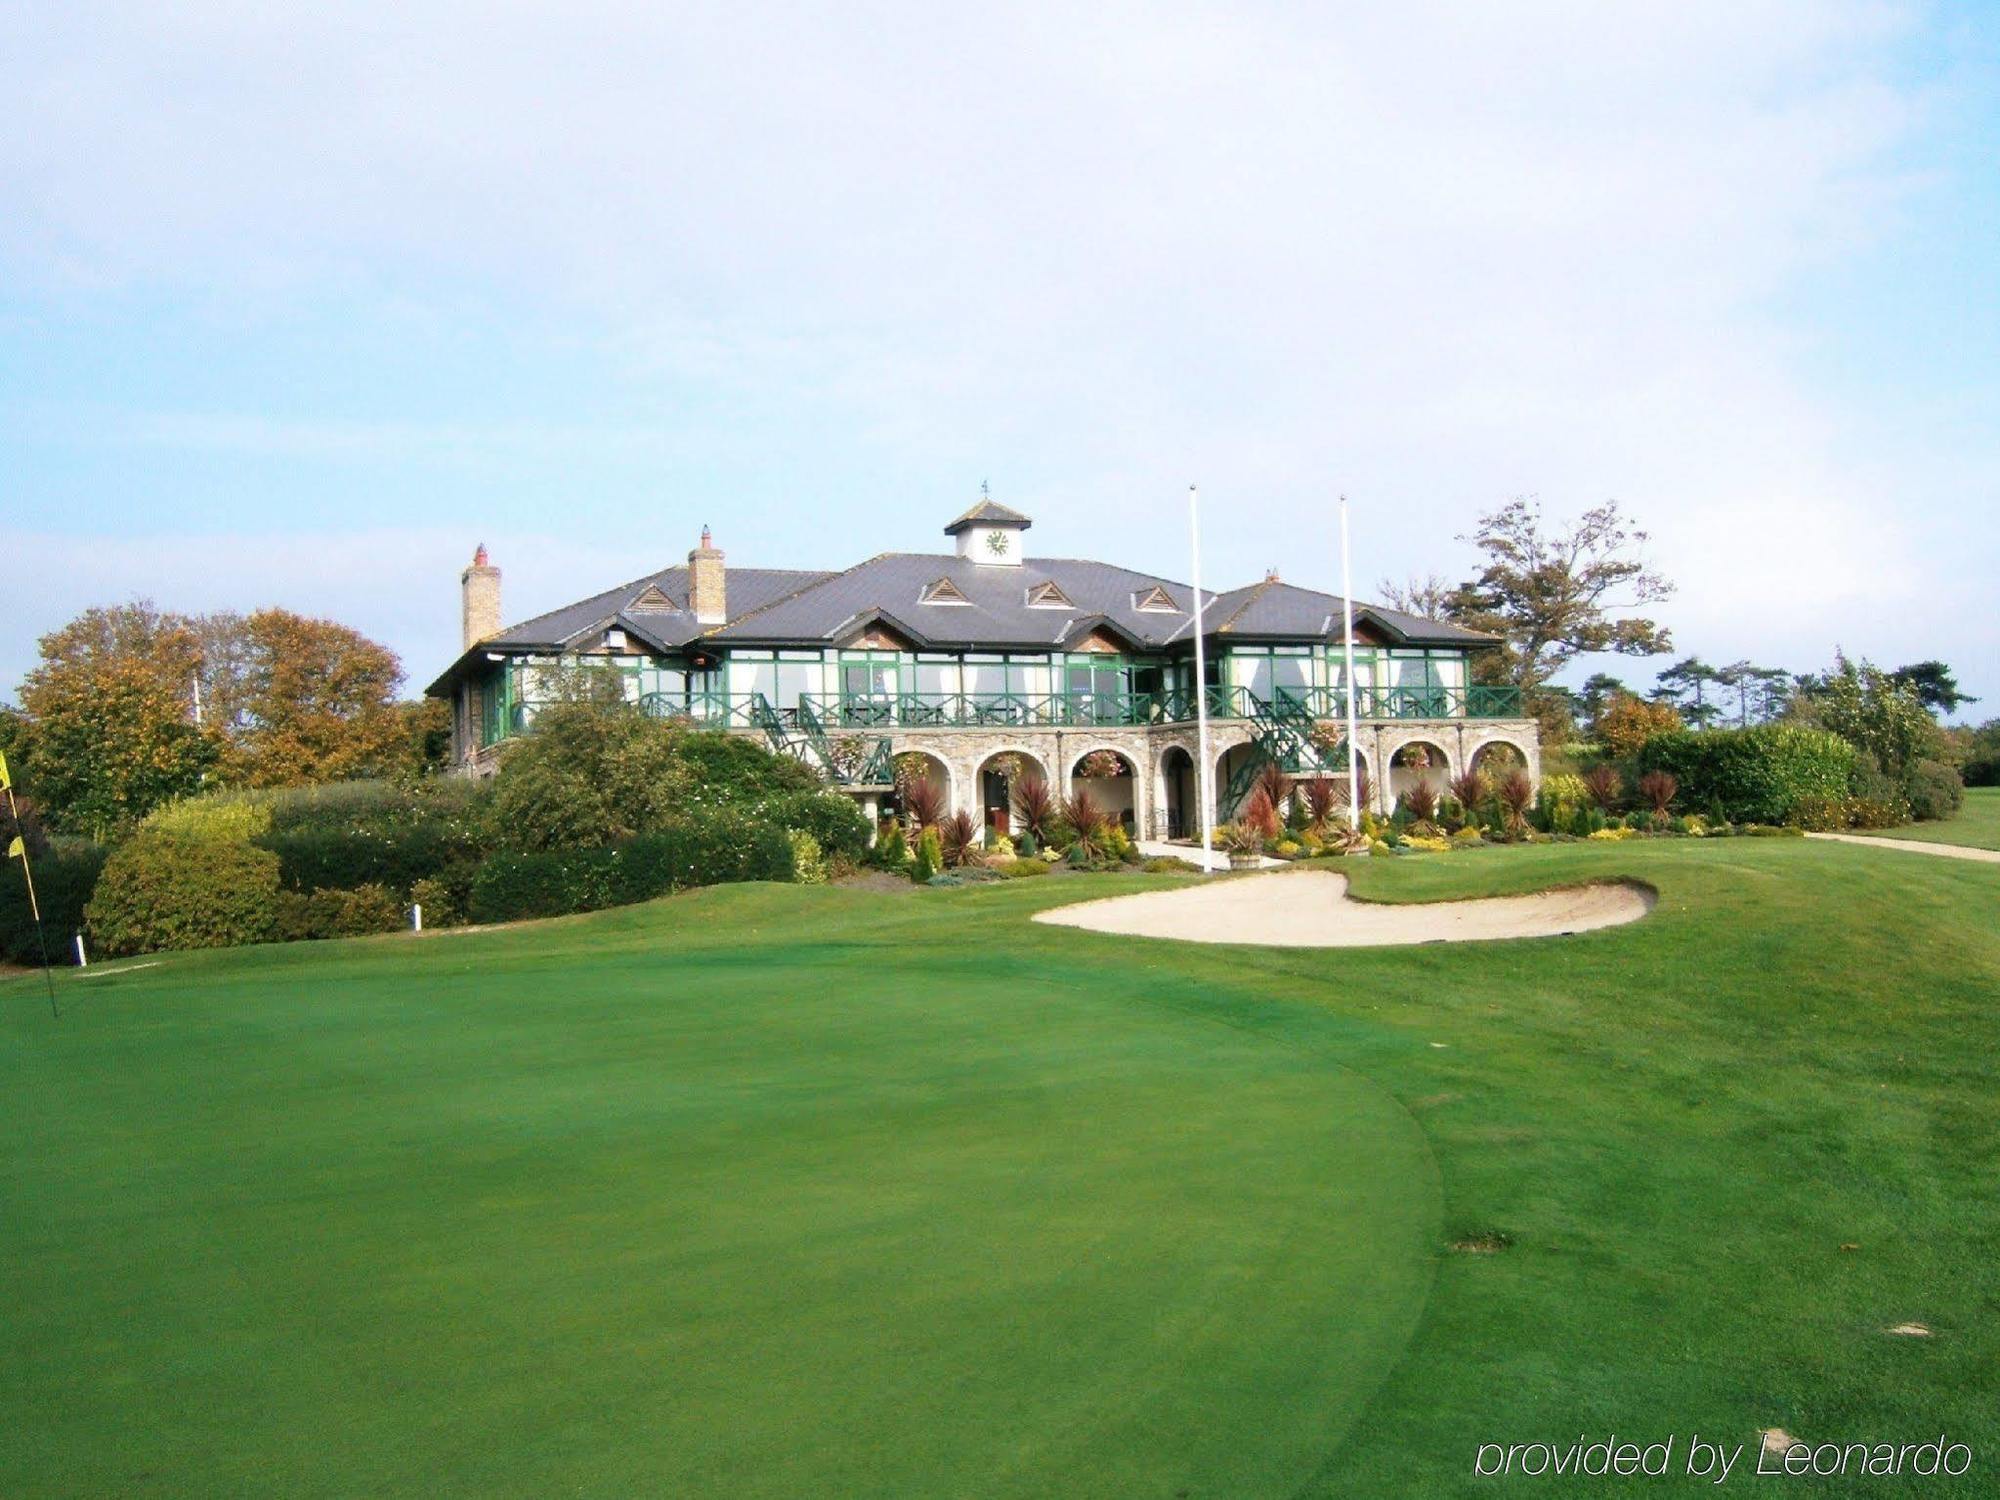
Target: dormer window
(651, 600)
(1155, 601)
(944, 591)
(1048, 596)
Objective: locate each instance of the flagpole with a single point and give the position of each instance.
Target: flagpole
(1353, 689)
(1204, 771)
(34, 906)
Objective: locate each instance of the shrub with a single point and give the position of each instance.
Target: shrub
(1320, 802)
(443, 906)
(892, 850)
(356, 913)
(215, 815)
(1517, 795)
(808, 863)
(1275, 785)
(1168, 865)
(712, 848)
(1021, 869)
(1469, 789)
(1658, 788)
(930, 857)
(1820, 814)
(65, 876)
(171, 890)
(1934, 790)
(1754, 775)
(1260, 813)
(834, 819)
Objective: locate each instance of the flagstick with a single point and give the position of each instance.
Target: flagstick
(34, 906)
(1353, 689)
(1205, 772)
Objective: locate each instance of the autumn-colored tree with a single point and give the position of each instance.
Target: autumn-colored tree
(1628, 722)
(307, 700)
(111, 732)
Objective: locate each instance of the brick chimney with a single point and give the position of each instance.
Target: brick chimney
(479, 600)
(708, 583)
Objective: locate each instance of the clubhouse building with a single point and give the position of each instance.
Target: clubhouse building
(977, 666)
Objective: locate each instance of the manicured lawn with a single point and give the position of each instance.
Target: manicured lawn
(772, 1191)
(1977, 825)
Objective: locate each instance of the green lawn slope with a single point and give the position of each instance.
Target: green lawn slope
(1977, 825)
(789, 1191)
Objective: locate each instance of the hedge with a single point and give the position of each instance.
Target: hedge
(1756, 775)
(164, 890)
(834, 819)
(64, 879)
(711, 850)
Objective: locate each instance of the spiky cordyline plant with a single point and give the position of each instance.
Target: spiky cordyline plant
(1035, 806)
(1604, 784)
(923, 803)
(959, 836)
(1261, 814)
(1421, 801)
(1469, 790)
(1517, 795)
(1320, 802)
(1658, 788)
(1276, 785)
(1086, 823)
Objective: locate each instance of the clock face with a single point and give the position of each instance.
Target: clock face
(996, 543)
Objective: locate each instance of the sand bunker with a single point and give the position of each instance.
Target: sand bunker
(1311, 909)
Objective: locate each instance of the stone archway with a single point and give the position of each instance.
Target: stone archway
(993, 784)
(1496, 759)
(1179, 798)
(1112, 780)
(922, 765)
(1418, 761)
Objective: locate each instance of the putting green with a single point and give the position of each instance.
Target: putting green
(735, 1194)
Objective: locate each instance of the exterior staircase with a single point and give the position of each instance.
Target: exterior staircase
(1281, 735)
(805, 739)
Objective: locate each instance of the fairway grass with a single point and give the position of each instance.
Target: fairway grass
(772, 1190)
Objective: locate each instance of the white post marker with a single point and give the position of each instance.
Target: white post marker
(1204, 771)
(1353, 718)
(416, 919)
(82, 962)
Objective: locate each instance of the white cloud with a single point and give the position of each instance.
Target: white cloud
(1432, 254)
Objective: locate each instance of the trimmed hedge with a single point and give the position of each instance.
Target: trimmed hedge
(710, 850)
(166, 890)
(64, 879)
(1756, 775)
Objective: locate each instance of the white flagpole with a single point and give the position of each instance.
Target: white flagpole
(1353, 691)
(1204, 769)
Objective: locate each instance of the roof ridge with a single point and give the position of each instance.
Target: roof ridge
(820, 581)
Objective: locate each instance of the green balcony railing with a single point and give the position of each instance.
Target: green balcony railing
(1069, 710)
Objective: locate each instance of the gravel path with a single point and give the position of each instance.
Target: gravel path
(1913, 846)
(1311, 909)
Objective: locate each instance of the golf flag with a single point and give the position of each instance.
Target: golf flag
(17, 850)
(5, 780)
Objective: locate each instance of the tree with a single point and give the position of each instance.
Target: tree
(111, 732)
(1553, 594)
(1428, 596)
(1598, 689)
(1935, 685)
(1628, 722)
(1685, 684)
(302, 700)
(1873, 712)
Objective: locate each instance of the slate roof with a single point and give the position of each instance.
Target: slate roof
(787, 607)
(988, 513)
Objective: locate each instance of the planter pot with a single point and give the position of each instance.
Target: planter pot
(1245, 861)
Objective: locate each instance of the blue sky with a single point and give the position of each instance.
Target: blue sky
(299, 308)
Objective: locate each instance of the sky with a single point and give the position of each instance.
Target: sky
(298, 305)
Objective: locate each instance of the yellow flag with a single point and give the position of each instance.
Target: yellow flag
(5, 780)
(15, 851)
